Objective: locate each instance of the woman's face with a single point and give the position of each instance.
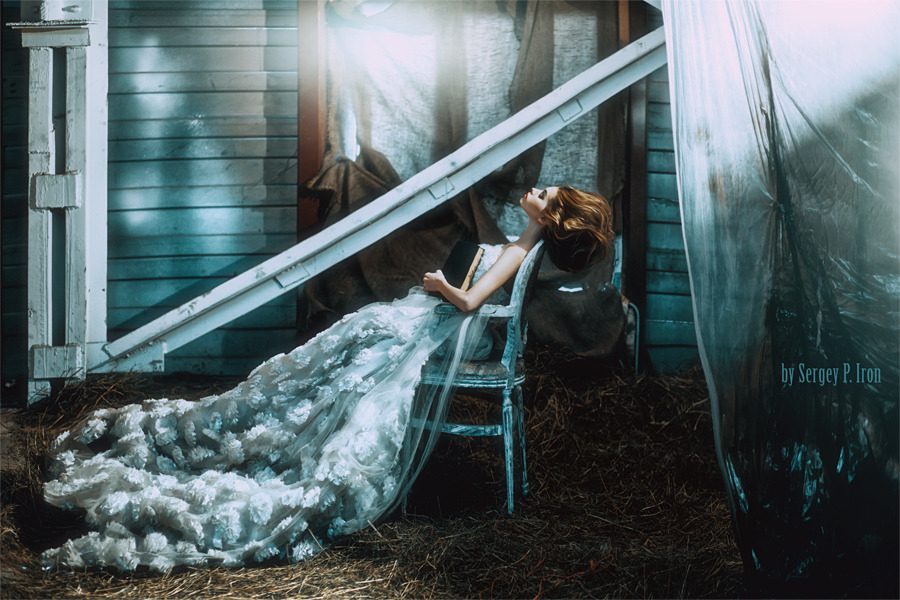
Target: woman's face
(534, 203)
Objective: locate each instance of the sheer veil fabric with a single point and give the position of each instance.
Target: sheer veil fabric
(315, 443)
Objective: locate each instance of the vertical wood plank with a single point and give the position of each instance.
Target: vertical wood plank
(619, 201)
(635, 250)
(39, 117)
(310, 103)
(39, 223)
(76, 109)
(95, 181)
(75, 233)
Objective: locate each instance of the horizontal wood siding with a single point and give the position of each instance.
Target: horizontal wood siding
(13, 209)
(668, 322)
(203, 167)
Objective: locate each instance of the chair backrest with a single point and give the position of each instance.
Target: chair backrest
(523, 287)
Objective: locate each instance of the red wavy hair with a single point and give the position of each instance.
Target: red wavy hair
(578, 231)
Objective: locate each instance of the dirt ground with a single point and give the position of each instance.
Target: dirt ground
(626, 501)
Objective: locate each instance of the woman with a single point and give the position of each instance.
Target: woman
(313, 444)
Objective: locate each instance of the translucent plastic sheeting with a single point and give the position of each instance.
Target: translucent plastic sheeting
(786, 133)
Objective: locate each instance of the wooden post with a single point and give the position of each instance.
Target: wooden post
(39, 221)
(310, 103)
(67, 85)
(634, 267)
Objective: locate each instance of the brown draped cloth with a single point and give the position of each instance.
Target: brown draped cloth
(589, 322)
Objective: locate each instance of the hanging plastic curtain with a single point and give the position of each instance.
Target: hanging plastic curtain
(786, 130)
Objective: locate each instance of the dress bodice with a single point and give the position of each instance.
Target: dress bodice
(490, 256)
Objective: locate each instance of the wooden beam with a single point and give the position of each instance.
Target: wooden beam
(635, 196)
(310, 103)
(40, 286)
(438, 183)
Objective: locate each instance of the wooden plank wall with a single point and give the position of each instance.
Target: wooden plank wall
(13, 210)
(202, 166)
(667, 319)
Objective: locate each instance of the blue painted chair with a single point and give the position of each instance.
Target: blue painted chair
(505, 375)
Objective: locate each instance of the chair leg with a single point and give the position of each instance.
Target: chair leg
(520, 419)
(508, 448)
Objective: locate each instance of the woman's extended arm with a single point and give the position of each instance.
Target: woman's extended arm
(505, 267)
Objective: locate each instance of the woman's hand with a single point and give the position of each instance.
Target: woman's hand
(434, 282)
(503, 268)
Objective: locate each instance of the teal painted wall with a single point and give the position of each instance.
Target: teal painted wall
(667, 318)
(202, 166)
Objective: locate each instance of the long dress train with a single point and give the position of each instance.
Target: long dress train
(315, 443)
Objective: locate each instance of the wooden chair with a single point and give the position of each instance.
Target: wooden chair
(505, 375)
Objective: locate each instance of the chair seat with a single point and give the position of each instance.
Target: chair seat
(476, 373)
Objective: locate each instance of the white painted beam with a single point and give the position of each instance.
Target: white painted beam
(41, 36)
(77, 115)
(57, 191)
(39, 221)
(94, 179)
(56, 361)
(420, 193)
